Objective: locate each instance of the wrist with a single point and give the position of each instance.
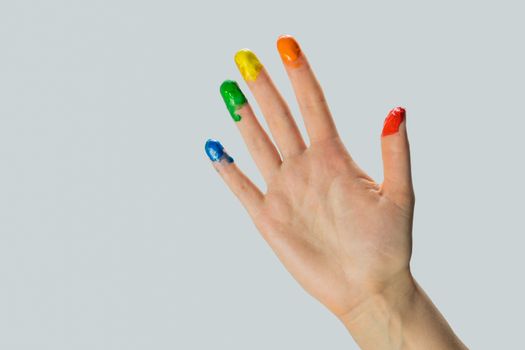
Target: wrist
(400, 316)
(378, 321)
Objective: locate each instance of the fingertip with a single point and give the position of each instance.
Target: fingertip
(248, 64)
(215, 151)
(233, 98)
(289, 50)
(395, 117)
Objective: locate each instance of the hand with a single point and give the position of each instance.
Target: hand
(344, 237)
(341, 235)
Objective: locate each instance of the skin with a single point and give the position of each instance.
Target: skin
(344, 237)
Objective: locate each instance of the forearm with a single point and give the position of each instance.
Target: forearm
(401, 317)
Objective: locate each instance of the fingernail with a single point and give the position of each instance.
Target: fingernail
(216, 152)
(289, 50)
(248, 64)
(393, 120)
(233, 98)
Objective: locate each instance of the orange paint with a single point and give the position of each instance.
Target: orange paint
(393, 120)
(289, 50)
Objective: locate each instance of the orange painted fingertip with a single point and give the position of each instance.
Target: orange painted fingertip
(289, 50)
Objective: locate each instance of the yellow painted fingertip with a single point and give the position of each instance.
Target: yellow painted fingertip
(248, 64)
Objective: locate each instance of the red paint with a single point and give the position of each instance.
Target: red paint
(393, 120)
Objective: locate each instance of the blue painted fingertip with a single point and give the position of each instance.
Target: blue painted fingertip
(215, 151)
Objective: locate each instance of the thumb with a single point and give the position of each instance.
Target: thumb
(397, 184)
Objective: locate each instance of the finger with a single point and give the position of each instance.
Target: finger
(397, 182)
(310, 97)
(275, 110)
(249, 195)
(259, 145)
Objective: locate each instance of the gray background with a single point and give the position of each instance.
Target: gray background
(115, 231)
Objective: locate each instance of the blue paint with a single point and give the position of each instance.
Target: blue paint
(215, 151)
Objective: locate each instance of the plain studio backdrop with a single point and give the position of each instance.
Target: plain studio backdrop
(116, 232)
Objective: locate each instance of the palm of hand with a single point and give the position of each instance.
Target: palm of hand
(333, 228)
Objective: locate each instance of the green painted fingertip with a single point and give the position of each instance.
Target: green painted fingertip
(233, 98)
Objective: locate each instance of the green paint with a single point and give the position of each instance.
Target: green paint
(233, 97)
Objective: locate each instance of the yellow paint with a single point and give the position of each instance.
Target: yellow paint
(248, 64)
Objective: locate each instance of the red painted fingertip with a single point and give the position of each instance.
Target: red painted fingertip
(393, 120)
